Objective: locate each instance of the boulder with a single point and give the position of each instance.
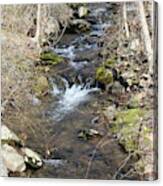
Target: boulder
(7, 136)
(104, 75)
(32, 158)
(3, 168)
(12, 159)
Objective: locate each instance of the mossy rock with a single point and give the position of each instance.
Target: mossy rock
(129, 116)
(104, 75)
(110, 63)
(126, 126)
(51, 57)
(41, 86)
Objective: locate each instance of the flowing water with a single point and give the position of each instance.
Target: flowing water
(76, 101)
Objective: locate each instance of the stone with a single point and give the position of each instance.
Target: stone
(87, 134)
(95, 120)
(104, 75)
(89, 55)
(7, 136)
(126, 127)
(82, 11)
(41, 86)
(12, 159)
(135, 44)
(32, 158)
(136, 100)
(117, 88)
(109, 113)
(3, 168)
(79, 25)
(50, 57)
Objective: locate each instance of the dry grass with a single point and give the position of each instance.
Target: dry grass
(21, 19)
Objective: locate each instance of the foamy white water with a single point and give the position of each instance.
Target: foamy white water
(75, 95)
(79, 64)
(54, 162)
(72, 97)
(66, 52)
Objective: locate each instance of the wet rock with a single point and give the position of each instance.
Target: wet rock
(87, 134)
(7, 136)
(89, 55)
(82, 11)
(79, 25)
(59, 84)
(12, 159)
(32, 158)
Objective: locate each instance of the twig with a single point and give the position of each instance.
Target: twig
(93, 155)
(122, 165)
(60, 37)
(127, 173)
(5, 102)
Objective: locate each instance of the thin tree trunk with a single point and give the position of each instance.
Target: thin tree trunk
(146, 34)
(125, 20)
(37, 36)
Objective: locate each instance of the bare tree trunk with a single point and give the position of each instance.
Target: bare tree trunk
(146, 34)
(37, 36)
(125, 20)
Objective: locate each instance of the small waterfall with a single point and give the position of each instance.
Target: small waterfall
(66, 52)
(71, 98)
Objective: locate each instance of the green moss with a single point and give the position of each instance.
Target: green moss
(103, 75)
(126, 125)
(41, 85)
(129, 116)
(110, 63)
(51, 57)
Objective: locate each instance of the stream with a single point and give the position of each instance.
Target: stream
(75, 102)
